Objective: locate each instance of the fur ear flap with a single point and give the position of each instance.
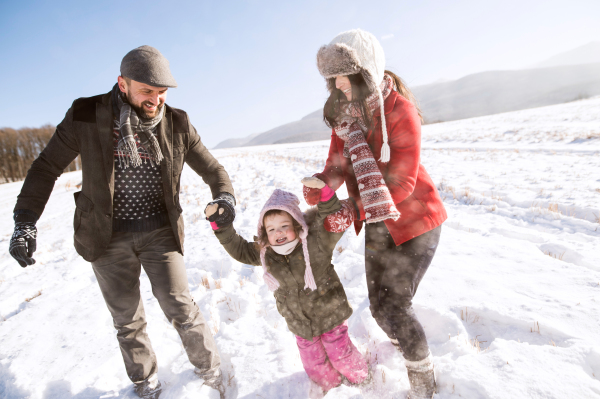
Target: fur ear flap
(337, 59)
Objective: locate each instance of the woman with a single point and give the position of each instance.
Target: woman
(375, 150)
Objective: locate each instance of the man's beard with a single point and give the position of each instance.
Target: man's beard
(143, 112)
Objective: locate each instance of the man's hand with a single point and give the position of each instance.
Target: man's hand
(23, 243)
(211, 209)
(220, 212)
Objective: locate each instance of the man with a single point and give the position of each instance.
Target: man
(127, 215)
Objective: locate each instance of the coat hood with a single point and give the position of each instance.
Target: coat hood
(288, 202)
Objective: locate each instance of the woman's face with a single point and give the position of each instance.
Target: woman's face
(280, 228)
(343, 84)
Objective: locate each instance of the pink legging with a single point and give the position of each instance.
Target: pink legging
(329, 356)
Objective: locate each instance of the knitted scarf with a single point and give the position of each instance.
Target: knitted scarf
(130, 124)
(350, 112)
(374, 193)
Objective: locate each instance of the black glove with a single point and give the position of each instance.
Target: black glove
(225, 214)
(23, 241)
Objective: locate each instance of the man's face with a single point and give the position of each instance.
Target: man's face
(146, 100)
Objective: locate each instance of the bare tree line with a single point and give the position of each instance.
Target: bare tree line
(20, 147)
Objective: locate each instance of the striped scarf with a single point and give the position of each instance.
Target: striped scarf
(374, 193)
(130, 124)
(350, 112)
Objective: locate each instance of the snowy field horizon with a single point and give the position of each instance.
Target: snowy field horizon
(510, 304)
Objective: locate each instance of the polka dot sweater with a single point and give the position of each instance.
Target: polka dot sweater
(138, 203)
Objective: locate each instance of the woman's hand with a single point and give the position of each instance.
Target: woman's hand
(312, 195)
(316, 190)
(313, 182)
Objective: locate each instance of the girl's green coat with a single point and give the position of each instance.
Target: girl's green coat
(308, 313)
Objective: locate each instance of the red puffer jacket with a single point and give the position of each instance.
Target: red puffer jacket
(411, 187)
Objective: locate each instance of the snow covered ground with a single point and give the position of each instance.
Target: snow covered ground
(510, 304)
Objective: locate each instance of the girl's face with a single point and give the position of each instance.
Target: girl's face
(343, 84)
(280, 228)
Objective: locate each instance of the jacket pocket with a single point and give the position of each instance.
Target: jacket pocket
(82, 202)
(178, 159)
(283, 306)
(83, 220)
(83, 206)
(328, 296)
(331, 296)
(76, 220)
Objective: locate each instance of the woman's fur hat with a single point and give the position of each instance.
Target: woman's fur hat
(288, 202)
(351, 52)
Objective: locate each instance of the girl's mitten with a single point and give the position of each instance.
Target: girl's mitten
(338, 222)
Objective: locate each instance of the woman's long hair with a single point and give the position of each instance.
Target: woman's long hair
(360, 92)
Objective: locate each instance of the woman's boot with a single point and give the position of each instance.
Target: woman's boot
(421, 378)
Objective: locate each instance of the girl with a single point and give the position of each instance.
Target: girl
(375, 150)
(295, 251)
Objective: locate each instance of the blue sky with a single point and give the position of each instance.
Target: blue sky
(248, 66)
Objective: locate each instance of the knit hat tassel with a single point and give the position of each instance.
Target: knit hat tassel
(309, 279)
(385, 148)
(271, 281)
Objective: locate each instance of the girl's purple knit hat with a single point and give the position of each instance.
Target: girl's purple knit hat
(286, 201)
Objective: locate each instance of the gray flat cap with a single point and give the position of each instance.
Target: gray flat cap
(147, 65)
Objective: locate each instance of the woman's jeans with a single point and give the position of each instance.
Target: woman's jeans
(393, 276)
(329, 356)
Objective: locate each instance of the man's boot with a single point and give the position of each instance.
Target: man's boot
(150, 388)
(212, 378)
(421, 378)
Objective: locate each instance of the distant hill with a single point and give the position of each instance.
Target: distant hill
(479, 94)
(309, 128)
(239, 142)
(587, 54)
(494, 92)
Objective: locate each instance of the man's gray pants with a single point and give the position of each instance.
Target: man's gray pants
(118, 273)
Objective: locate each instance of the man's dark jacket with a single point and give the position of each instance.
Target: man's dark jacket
(87, 130)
